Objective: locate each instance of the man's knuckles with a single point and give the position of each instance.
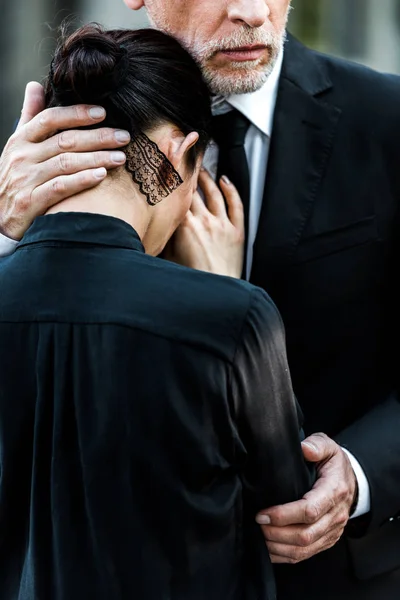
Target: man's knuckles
(343, 492)
(313, 511)
(66, 162)
(57, 188)
(312, 535)
(12, 142)
(342, 518)
(17, 159)
(333, 539)
(69, 163)
(49, 193)
(22, 202)
(103, 137)
(90, 140)
(46, 120)
(296, 554)
(14, 156)
(66, 140)
(306, 538)
(19, 178)
(52, 119)
(290, 560)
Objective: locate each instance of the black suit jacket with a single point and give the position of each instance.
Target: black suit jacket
(327, 251)
(146, 414)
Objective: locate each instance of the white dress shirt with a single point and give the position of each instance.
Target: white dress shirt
(7, 246)
(259, 108)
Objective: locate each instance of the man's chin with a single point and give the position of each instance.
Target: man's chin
(236, 81)
(241, 77)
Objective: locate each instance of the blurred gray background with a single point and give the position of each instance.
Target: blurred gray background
(367, 31)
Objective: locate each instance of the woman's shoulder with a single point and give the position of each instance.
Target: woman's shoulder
(203, 308)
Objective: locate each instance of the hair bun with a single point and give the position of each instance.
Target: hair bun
(88, 67)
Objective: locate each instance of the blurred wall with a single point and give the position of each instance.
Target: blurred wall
(367, 31)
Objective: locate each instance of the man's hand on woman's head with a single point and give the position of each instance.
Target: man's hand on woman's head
(297, 531)
(211, 237)
(48, 159)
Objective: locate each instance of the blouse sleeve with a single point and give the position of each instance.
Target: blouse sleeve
(268, 418)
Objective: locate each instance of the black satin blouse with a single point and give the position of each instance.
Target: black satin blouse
(146, 414)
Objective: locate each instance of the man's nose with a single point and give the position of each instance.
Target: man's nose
(253, 13)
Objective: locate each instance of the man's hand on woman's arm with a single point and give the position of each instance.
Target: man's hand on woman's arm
(49, 159)
(297, 531)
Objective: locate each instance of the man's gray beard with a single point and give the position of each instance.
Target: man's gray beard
(244, 77)
(244, 80)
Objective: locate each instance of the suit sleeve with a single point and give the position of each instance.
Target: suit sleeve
(268, 417)
(375, 441)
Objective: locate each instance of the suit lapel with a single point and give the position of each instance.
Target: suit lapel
(301, 142)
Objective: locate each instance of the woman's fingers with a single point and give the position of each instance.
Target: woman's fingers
(198, 207)
(233, 203)
(222, 202)
(213, 196)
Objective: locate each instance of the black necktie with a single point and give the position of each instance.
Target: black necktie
(229, 132)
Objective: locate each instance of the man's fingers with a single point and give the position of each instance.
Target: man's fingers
(70, 163)
(234, 204)
(315, 504)
(58, 189)
(318, 447)
(295, 535)
(51, 120)
(89, 140)
(306, 535)
(284, 553)
(34, 103)
(292, 513)
(277, 560)
(213, 195)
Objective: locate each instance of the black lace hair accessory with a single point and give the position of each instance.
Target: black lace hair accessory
(151, 169)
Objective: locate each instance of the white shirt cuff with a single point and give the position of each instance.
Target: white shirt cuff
(364, 493)
(7, 245)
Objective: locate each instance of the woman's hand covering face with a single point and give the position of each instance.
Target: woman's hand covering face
(211, 237)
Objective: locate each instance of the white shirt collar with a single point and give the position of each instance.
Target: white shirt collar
(259, 106)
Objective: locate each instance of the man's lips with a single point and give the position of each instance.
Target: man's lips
(245, 53)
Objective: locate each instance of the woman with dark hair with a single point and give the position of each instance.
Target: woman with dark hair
(146, 409)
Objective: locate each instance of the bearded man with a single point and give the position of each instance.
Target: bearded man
(312, 144)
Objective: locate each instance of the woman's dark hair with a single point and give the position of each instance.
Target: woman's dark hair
(143, 78)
